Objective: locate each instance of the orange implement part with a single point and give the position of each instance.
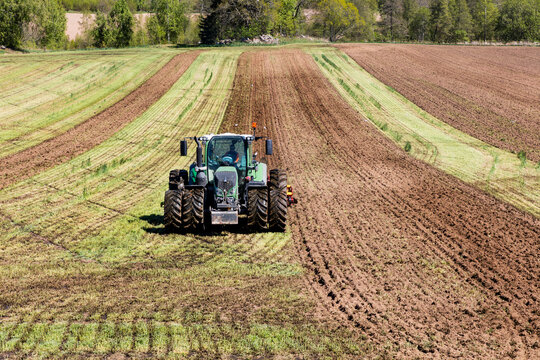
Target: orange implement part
(290, 199)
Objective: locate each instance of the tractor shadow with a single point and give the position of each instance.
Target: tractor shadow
(156, 226)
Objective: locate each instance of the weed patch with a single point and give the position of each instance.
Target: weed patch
(522, 156)
(408, 146)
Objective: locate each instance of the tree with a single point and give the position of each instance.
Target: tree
(101, 33)
(393, 24)
(121, 24)
(419, 25)
(286, 21)
(519, 20)
(462, 20)
(441, 21)
(338, 16)
(366, 11)
(170, 15)
(156, 33)
(50, 19)
(142, 5)
(241, 19)
(209, 27)
(409, 9)
(485, 17)
(13, 15)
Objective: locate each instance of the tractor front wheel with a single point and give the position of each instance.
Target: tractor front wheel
(277, 196)
(257, 217)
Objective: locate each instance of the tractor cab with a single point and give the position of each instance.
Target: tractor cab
(226, 150)
(226, 168)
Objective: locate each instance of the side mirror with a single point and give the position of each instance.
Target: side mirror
(183, 148)
(269, 148)
(255, 155)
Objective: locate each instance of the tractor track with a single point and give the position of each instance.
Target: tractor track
(409, 256)
(95, 130)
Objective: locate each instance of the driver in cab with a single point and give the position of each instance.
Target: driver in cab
(231, 157)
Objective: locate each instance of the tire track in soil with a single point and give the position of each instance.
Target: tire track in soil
(406, 254)
(95, 130)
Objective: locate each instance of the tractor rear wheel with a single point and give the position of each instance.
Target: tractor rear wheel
(277, 207)
(177, 179)
(257, 217)
(173, 209)
(193, 209)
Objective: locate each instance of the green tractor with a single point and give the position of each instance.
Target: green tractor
(227, 183)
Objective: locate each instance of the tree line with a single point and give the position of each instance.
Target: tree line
(449, 21)
(111, 23)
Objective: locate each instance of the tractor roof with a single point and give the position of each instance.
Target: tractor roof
(243, 136)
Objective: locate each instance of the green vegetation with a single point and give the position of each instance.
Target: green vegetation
(460, 20)
(509, 177)
(45, 95)
(338, 16)
(104, 5)
(40, 24)
(519, 19)
(13, 15)
(114, 29)
(175, 339)
(169, 22)
(49, 22)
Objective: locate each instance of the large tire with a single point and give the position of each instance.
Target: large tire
(257, 218)
(193, 209)
(277, 196)
(177, 179)
(184, 176)
(173, 210)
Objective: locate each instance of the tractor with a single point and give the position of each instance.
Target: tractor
(226, 183)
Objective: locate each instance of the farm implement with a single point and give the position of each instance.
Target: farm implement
(225, 183)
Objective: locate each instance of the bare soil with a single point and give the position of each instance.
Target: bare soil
(491, 93)
(96, 129)
(411, 258)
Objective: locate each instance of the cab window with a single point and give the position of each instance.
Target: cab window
(227, 151)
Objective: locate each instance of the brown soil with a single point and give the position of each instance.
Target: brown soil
(95, 130)
(491, 93)
(415, 260)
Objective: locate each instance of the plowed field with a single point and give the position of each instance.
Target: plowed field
(95, 130)
(488, 92)
(415, 260)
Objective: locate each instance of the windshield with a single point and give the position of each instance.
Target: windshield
(227, 151)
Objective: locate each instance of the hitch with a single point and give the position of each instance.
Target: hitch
(290, 198)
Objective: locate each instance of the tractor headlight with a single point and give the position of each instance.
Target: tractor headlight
(219, 194)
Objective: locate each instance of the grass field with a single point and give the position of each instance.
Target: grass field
(47, 94)
(385, 256)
